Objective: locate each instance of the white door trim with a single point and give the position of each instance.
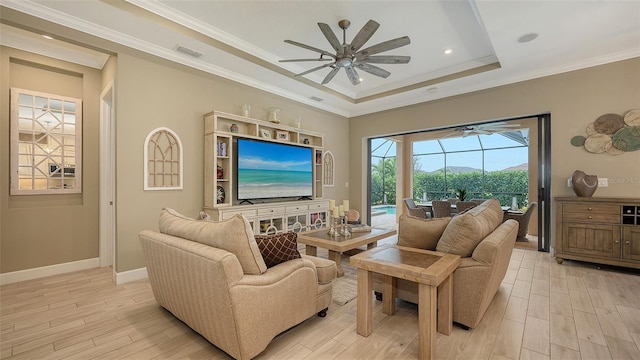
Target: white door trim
(107, 177)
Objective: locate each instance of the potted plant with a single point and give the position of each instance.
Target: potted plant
(461, 194)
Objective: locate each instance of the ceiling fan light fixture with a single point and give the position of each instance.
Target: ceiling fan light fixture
(350, 55)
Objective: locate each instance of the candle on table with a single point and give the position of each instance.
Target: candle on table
(345, 205)
(341, 210)
(335, 212)
(332, 204)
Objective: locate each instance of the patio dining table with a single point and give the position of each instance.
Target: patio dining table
(454, 210)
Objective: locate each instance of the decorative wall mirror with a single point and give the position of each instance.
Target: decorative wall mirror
(162, 160)
(46, 143)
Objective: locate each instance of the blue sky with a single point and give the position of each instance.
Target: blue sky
(460, 152)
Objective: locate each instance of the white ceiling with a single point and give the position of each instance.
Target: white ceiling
(243, 41)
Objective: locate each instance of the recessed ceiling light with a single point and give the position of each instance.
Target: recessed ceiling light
(448, 51)
(527, 37)
(47, 37)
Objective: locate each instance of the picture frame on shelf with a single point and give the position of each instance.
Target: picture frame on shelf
(265, 133)
(282, 135)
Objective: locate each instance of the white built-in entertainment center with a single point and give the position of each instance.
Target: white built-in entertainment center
(221, 134)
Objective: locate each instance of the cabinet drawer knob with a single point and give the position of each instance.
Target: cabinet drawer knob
(627, 242)
(589, 217)
(616, 242)
(589, 209)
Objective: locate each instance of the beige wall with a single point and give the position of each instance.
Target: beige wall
(573, 99)
(153, 93)
(41, 230)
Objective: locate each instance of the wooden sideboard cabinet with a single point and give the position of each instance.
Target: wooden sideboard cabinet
(598, 230)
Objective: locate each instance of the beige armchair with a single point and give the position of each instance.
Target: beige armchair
(483, 242)
(212, 276)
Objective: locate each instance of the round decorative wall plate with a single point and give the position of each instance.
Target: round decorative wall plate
(220, 195)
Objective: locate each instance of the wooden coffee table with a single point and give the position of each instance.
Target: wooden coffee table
(337, 245)
(433, 271)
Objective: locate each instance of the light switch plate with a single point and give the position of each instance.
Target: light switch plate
(603, 182)
(569, 184)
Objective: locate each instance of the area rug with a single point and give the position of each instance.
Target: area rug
(345, 288)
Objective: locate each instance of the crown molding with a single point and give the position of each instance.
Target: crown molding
(45, 13)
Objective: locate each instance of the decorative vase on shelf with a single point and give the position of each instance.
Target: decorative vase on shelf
(274, 115)
(584, 185)
(233, 128)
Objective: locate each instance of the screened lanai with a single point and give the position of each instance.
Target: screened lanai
(486, 165)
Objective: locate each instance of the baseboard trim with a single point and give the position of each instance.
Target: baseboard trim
(131, 275)
(35, 273)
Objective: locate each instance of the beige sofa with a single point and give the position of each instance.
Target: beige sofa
(212, 276)
(482, 240)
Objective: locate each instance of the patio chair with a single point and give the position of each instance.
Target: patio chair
(478, 201)
(414, 210)
(463, 206)
(522, 219)
(453, 200)
(441, 208)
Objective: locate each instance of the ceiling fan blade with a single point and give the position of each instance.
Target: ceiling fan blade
(331, 37)
(383, 46)
(310, 48)
(363, 35)
(387, 59)
(330, 75)
(352, 74)
(314, 69)
(372, 69)
(316, 59)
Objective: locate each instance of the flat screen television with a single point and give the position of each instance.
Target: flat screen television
(270, 170)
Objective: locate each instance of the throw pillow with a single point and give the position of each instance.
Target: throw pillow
(465, 231)
(233, 235)
(278, 248)
(420, 233)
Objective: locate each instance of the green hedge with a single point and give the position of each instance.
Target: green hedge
(502, 185)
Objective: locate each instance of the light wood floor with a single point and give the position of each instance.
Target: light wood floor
(543, 310)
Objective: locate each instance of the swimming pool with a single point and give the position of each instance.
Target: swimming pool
(383, 209)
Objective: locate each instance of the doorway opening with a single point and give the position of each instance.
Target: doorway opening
(508, 160)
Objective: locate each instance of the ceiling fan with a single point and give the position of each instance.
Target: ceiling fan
(482, 129)
(350, 57)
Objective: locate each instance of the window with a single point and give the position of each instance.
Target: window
(46, 143)
(162, 160)
(328, 175)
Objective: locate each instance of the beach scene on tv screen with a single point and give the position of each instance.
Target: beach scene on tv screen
(271, 170)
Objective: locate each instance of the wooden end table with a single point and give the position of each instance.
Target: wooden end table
(433, 271)
(337, 245)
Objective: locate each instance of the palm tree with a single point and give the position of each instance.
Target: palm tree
(383, 181)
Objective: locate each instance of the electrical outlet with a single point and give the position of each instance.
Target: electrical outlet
(603, 182)
(569, 184)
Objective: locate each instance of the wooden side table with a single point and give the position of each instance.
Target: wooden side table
(338, 244)
(433, 271)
